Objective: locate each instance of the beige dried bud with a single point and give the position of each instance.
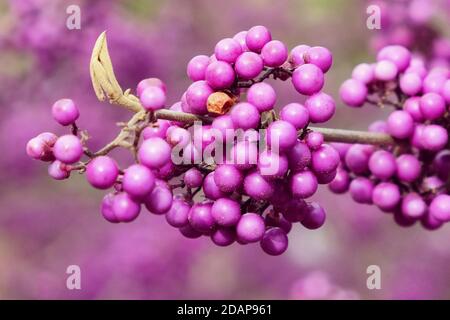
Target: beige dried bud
(220, 102)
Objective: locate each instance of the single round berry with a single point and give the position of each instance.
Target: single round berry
(65, 112)
(200, 217)
(219, 75)
(281, 135)
(274, 53)
(386, 196)
(196, 67)
(411, 83)
(154, 153)
(308, 79)
(153, 98)
(413, 206)
(357, 158)
(441, 164)
(36, 148)
(178, 214)
(321, 107)
(385, 70)
(361, 190)
(258, 187)
(314, 140)
(257, 37)
(223, 237)
(353, 92)
(227, 50)
(432, 106)
(325, 159)
(296, 114)
(245, 116)
(262, 96)
(226, 212)
(159, 200)
(138, 180)
(248, 65)
(68, 149)
(303, 184)
(228, 178)
(315, 216)
(382, 164)
(197, 97)
(274, 241)
(299, 156)
(250, 228)
(408, 168)
(102, 172)
(193, 178)
(400, 124)
(125, 208)
(320, 57)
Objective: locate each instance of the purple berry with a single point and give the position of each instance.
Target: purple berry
(102, 172)
(315, 216)
(154, 153)
(353, 92)
(196, 67)
(308, 79)
(296, 114)
(227, 50)
(65, 112)
(245, 116)
(257, 37)
(228, 178)
(226, 212)
(386, 196)
(262, 96)
(153, 98)
(219, 75)
(250, 228)
(68, 149)
(125, 208)
(177, 216)
(138, 180)
(274, 53)
(303, 184)
(248, 65)
(274, 241)
(321, 107)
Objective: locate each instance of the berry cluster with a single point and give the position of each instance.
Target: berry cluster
(243, 173)
(411, 177)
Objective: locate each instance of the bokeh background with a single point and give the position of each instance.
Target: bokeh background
(46, 225)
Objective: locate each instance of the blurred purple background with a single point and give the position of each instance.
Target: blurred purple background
(46, 225)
